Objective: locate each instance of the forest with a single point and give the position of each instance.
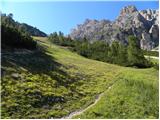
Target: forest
(116, 53)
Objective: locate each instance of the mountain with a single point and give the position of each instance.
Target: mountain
(8, 20)
(142, 24)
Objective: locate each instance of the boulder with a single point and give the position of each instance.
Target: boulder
(15, 75)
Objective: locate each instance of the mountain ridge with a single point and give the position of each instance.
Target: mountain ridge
(8, 20)
(143, 24)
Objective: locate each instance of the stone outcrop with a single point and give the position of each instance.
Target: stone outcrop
(142, 24)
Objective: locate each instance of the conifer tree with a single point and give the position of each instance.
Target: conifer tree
(135, 54)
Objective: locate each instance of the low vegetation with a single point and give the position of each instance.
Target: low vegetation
(135, 95)
(52, 81)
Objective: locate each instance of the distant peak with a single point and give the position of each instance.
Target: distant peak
(128, 9)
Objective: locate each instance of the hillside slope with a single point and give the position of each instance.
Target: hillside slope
(54, 82)
(8, 21)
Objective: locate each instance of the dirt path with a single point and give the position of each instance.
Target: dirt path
(78, 112)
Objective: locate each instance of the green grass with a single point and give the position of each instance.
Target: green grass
(154, 60)
(55, 82)
(135, 95)
(151, 53)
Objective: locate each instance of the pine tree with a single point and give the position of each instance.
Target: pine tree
(135, 54)
(114, 52)
(122, 55)
(54, 38)
(85, 48)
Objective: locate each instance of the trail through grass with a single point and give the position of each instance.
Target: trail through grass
(56, 82)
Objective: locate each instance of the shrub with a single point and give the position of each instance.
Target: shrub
(12, 38)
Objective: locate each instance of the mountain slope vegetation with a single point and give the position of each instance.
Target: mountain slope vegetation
(8, 21)
(133, 96)
(116, 53)
(52, 81)
(12, 38)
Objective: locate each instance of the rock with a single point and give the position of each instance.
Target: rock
(128, 10)
(46, 107)
(145, 41)
(129, 22)
(15, 75)
(146, 36)
(154, 31)
(150, 15)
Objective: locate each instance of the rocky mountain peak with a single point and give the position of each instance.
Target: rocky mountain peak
(128, 10)
(143, 24)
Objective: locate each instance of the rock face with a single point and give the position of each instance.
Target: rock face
(142, 24)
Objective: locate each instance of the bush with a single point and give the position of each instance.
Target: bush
(156, 66)
(59, 39)
(12, 38)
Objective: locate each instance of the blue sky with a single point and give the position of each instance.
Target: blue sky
(63, 16)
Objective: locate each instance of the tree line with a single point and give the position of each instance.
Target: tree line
(13, 37)
(116, 53)
(8, 21)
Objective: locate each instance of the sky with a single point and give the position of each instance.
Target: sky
(50, 16)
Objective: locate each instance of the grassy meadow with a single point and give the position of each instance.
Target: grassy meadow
(54, 82)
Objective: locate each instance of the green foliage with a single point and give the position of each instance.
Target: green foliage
(8, 21)
(99, 50)
(154, 62)
(114, 52)
(122, 55)
(132, 96)
(59, 39)
(84, 48)
(151, 53)
(117, 53)
(12, 38)
(156, 66)
(135, 54)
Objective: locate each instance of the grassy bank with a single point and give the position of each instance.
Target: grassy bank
(54, 82)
